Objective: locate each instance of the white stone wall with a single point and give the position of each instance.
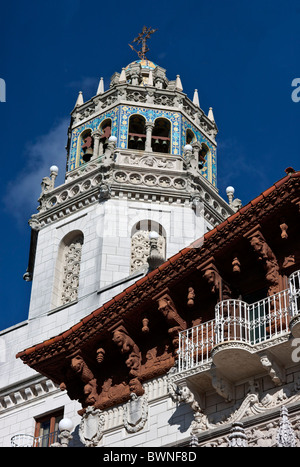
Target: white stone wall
(105, 260)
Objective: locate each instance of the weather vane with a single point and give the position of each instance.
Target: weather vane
(142, 39)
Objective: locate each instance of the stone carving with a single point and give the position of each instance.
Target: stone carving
(104, 191)
(275, 370)
(222, 386)
(70, 282)
(237, 437)
(91, 427)
(285, 436)
(135, 413)
(140, 249)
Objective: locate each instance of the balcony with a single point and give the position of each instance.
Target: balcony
(240, 331)
(29, 441)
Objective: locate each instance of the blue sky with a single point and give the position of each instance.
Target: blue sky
(241, 56)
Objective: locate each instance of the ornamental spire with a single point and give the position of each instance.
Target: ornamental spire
(141, 39)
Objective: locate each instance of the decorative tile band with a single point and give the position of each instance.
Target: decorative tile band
(120, 116)
(209, 170)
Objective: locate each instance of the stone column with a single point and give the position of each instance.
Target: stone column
(149, 128)
(96, 135)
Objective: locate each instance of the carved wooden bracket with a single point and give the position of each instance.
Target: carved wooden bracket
(268, 258)
(217, 285)
(174, 321)
(133, 357)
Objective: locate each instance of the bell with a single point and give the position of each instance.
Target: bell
(131, 138)
(87, 155)
(164, 142)
(139, 140)
(156, 141)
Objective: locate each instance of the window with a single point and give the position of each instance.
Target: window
(137, 133)
(46, 429)
(140, 243)
(161, 135)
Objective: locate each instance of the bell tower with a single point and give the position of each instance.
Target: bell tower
(140, 184)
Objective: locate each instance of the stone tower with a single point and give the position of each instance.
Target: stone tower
(140, 184)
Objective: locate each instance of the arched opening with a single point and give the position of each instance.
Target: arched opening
(86, 145)
(202, 155)
(137, 132)
(190, 137)
(66, 281)
(105, 131)
(161, 135)
(140, 243)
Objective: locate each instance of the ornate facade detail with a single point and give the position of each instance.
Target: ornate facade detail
(174, 321)
(274, 369)
(267, 257)
(140, 249)
(237, 437)
(135, 413)
(91, 427)
(71, 269)
(133, 358)
(222, 385)
(285, 436)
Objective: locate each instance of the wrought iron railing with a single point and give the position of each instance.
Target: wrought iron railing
(238, 321)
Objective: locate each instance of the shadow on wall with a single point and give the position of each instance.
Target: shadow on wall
(183, 417)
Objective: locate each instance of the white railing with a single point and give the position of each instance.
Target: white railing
(254, 323)
(195, 345)
(28, 441)
(239, 321)
(22, 441)
(294, 283)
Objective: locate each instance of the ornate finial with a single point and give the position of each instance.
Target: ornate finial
(142, 39)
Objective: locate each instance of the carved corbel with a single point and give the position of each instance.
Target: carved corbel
(217, 285)
(133, 357)
(81, 369)
(183, 394)
(222, 385)
(267, 257)
(174, 321)
(275, 370)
